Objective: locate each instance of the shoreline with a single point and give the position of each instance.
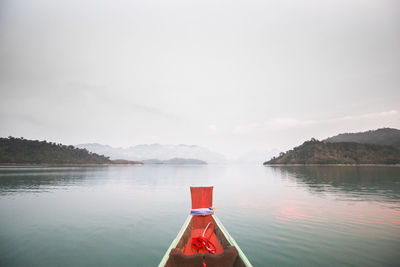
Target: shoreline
(339, 165)
(68, 164)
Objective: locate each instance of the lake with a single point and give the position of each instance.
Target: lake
(128, 216)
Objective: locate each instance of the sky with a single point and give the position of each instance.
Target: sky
(232, 76)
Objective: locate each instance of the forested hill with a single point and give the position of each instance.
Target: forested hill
(20, 150)
(383, 136)
(317, 152)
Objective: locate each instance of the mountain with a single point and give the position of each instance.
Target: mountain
(156, 151)
(383, 136)
(20, 150)
(317, 152)
(126, 162)
(176, 161)
(255, 156)
(109, 151)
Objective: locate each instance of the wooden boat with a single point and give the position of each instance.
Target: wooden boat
(203, 240)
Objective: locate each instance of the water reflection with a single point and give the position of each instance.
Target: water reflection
(349, 182)
(120, 216)
(42, 179)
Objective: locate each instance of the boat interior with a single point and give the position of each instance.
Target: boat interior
(217, 250)
(185, 255)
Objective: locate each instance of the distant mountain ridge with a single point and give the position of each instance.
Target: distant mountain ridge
(156, 152)
(382, 136)
(179, 161)
(255, 156)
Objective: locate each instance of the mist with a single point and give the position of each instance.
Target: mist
(232, 76)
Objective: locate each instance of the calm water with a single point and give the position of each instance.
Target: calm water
(128, 216)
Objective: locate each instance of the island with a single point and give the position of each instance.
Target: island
(373, 147)
(21, 151)
(323, 152)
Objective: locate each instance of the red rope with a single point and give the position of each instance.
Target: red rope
(204, 242)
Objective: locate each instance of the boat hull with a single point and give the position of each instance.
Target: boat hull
(221, 233)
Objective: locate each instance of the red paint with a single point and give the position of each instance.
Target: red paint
(202, 198)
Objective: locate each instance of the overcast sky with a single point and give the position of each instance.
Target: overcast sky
(229, 75)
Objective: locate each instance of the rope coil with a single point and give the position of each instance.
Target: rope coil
(203, 241)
